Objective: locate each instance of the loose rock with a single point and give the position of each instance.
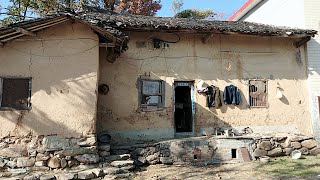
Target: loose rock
(275, 152)
(54, 162)
(88, 158)
(309, 143)
(25, 162)
(259, 153)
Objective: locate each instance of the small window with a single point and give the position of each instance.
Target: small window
(258, 93)
(15, 93)
(151, 95)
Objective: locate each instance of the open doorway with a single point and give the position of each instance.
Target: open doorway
(183, 115)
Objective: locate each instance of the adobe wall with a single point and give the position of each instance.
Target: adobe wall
(222, 60)
(63, 63)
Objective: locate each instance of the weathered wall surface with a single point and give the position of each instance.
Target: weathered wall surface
(312, 21)
(63, 63)
(221, 61)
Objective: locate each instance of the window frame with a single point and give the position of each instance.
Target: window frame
(154, 107)
(267, 93)
(29, 104)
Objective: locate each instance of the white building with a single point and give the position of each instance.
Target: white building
(296, 14)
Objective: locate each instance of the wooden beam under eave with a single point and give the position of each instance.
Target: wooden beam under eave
(25, 32)
(302, 42)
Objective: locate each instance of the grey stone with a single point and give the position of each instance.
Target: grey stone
(310, 143)
(275, 152)
(73, 162)
(55, 143)
(111, 170)
(32, 152)
(121, 163)
(87, 174)
(34, 176)
(151, 150)
(88, 158)
(296, 138)
(13, 152)
(47, 177)
(25, 162)
(124, 175)
(304, 151)
(66, 176)
(77, 151)
(54, 162)
(2, 163)
(40, 168)
(42, 157)
(118, 157)
(153, 159)
(265, 145)
(315, 151)
(286, 143)
(97, 171)
(259, 153)
(295, 145)
(68, 158)
(105, 147)
(104, 153)
(18, 171)
(142, 159)
(166, 160)
(127, 168)
(63, 163)
(139, 151)
(90, 141)
(3, 145)
(287, 151)
(40, 163)
(12, 164)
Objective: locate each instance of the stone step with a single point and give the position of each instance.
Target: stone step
(117, 157)
(122, 163)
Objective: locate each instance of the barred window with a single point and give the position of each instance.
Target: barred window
(258, 94)
(151, 94)
(15, 93)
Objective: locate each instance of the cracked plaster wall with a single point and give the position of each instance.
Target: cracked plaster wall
(221, 61)
(63, 63)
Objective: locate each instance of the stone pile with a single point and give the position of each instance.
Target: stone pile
(141, 154)
(284, 145)
(41, 153)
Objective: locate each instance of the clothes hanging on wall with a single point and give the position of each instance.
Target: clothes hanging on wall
(213, 96)
(231, 95)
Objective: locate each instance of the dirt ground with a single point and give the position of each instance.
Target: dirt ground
(280, 168)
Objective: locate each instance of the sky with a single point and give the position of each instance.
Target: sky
(227, 7)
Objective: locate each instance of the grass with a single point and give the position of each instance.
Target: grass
(308, 166)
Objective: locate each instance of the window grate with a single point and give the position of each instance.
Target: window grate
(258, 93)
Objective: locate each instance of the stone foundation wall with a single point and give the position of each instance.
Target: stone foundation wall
(284, 145)
(48, 152)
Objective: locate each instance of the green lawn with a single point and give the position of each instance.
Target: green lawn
(308, 166)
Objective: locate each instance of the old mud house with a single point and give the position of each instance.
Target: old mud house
(146, 78)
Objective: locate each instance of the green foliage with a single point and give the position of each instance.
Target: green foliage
(195, 14)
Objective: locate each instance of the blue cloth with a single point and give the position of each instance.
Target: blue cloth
(231, 95)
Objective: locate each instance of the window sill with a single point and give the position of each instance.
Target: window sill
(152, 110)
(13, 109)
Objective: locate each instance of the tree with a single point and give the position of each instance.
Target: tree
(19, 10)
(176, 6)
(196, 14)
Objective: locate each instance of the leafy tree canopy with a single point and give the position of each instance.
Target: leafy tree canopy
(195, 14)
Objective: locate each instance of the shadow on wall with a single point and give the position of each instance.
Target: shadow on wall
(63, 87)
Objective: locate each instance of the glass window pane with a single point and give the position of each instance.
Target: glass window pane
(150, 87)
(150, 99)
